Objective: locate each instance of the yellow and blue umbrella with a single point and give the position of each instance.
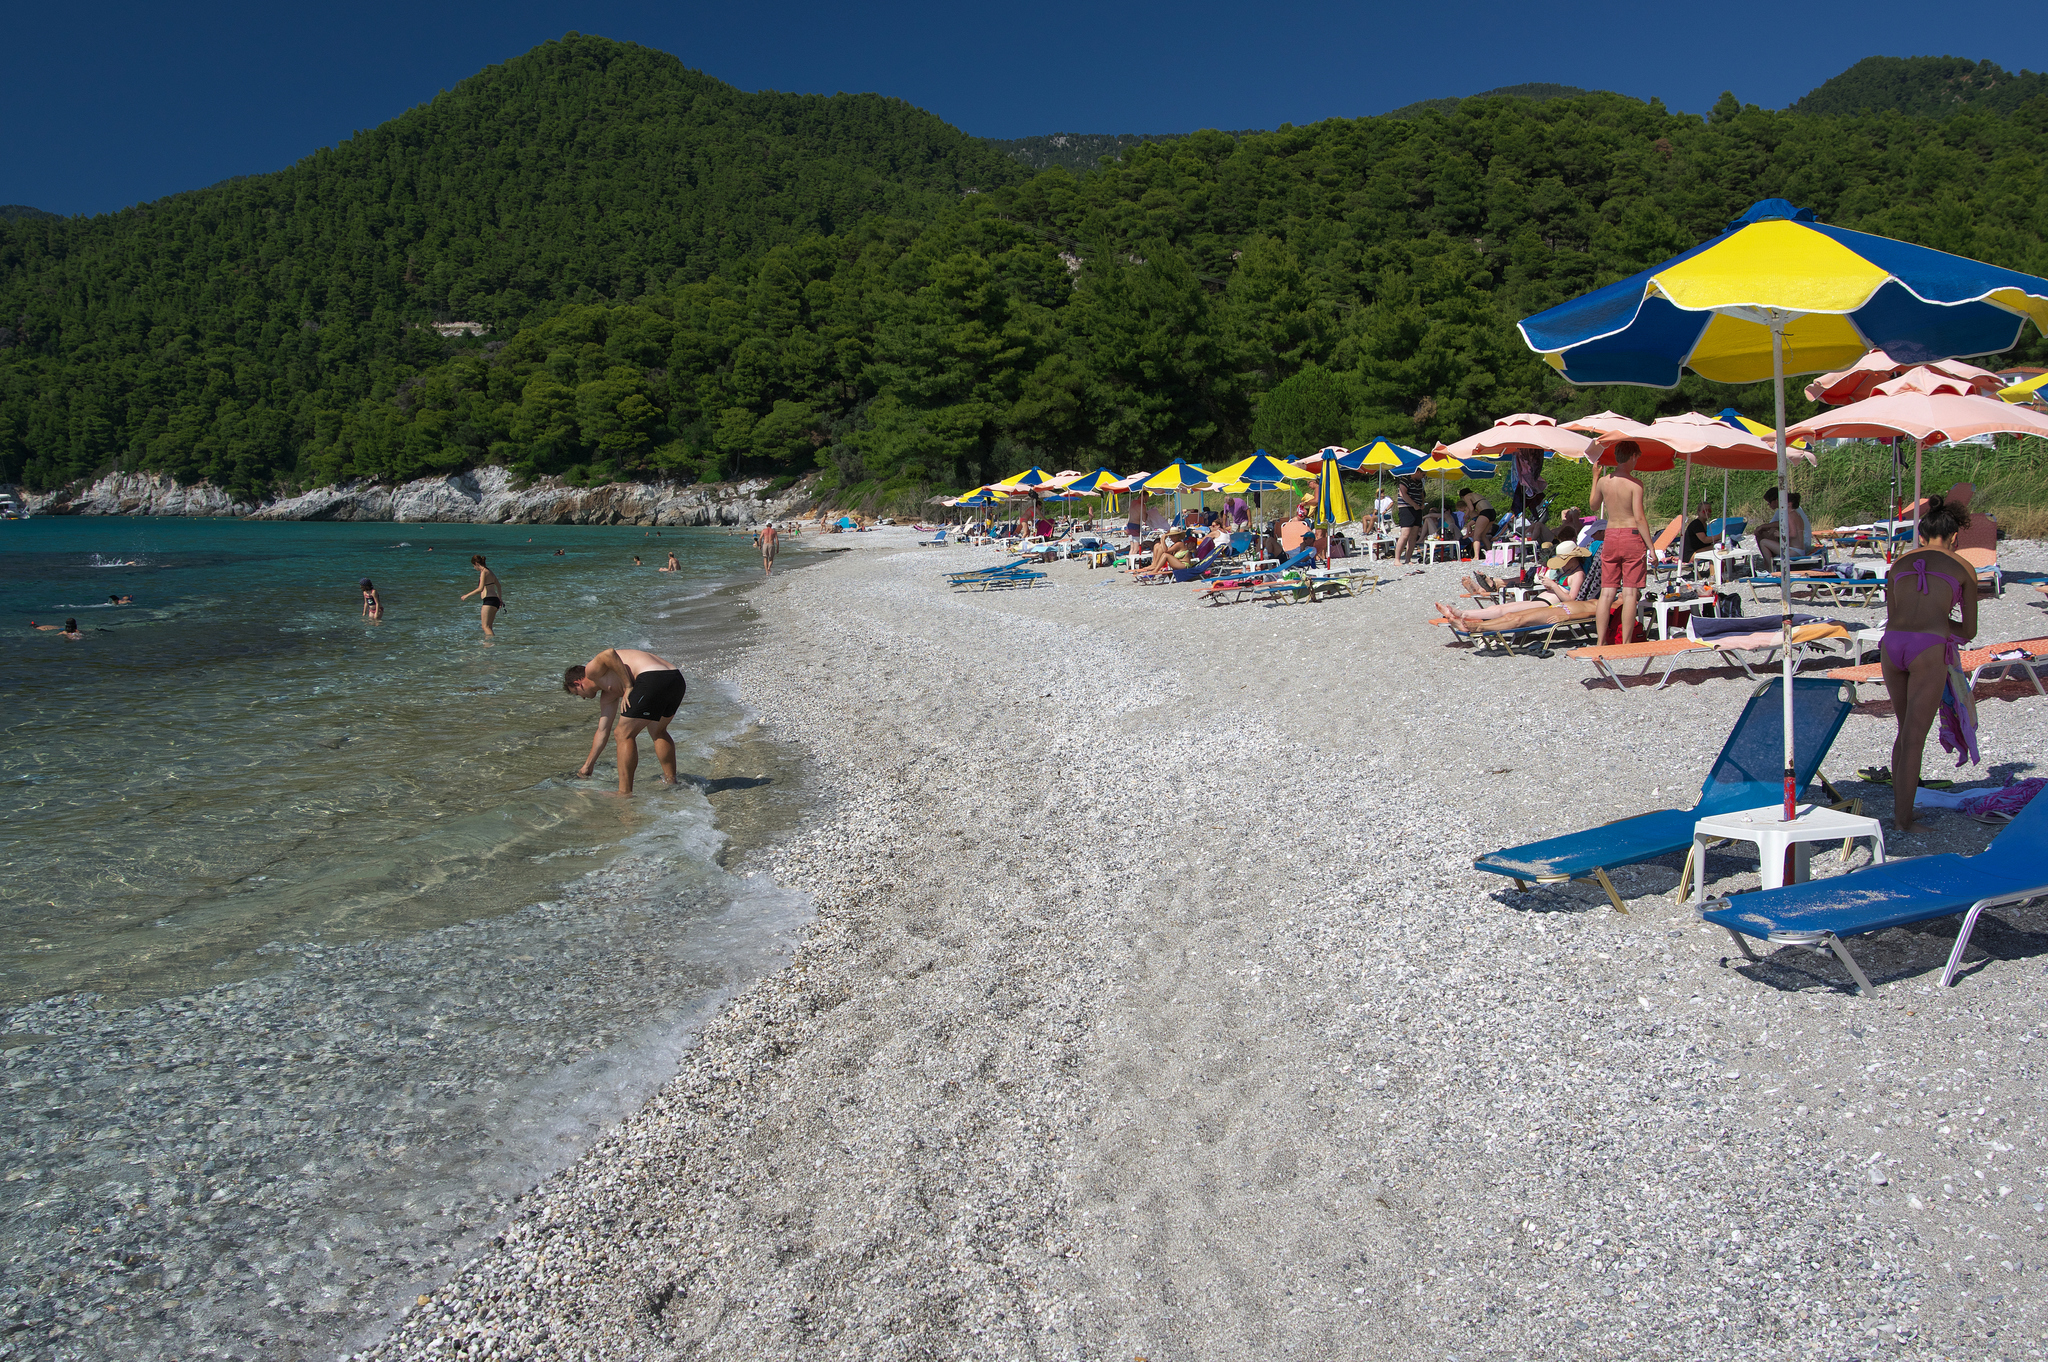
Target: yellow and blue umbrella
(1261, 471)
(2027, 390)
(1090, 484)
(1778, 293)
(1025, 481)
(1178, 476)
(1331, 507)
(1778, 285)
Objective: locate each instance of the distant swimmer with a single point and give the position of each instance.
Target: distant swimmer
(652, 690)
(672, 565)
(373, 606)
(558, 553)
(69, 628)
(486, 587)
(636, 560)
(118, 599)
(768, 548)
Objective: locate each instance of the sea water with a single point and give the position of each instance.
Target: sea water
(332, 887)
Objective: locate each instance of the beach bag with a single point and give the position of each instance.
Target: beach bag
(1727, 605)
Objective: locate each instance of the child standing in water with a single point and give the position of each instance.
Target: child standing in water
(373, 608)
(486, 587)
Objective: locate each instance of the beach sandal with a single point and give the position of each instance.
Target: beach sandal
(1876, 775)
(1995, 818)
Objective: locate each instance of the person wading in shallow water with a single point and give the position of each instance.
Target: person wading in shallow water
(768, 548)
(652, 690)
(487, 587)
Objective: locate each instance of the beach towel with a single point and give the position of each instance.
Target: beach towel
(1958, 710)
(1711, 629)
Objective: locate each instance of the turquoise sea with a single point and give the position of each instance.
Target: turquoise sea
(316, 954)
(240, 758)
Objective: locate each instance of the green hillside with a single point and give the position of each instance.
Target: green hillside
(1533, 90)
(203, 334)
(1290, 289)
(1932, 87)
(1195, 296)
(10, 212)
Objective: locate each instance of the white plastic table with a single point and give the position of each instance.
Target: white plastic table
(1721, 561)
(1771, 834)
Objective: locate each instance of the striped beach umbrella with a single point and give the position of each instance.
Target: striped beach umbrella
(1779, 292)
(1331, 507)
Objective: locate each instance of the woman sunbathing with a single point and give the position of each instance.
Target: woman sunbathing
(1522, 615)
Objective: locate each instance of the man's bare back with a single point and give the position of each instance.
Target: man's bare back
(650, 688)
(1619, 498)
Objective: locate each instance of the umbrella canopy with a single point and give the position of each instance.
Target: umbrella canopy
(1261, 470)
(845, 521)
(1385, 454)
(1603, 422)
(2028, 391)
(1331, 507)
(1025, 481)
(1700, 440)
(1314, 463)
(980, 496)
(1926, 418)
(1779, 283)
(1524, 431)
(1178, 476)
(1098, 483)
(1779, 292)
(1860, 379)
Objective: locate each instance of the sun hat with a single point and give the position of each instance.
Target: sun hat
(1566, 553)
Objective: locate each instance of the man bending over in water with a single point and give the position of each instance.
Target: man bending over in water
(652, 689)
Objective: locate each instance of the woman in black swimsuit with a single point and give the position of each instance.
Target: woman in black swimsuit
(487, 587)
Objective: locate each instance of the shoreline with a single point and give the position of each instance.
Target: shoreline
(278, 1162)
(1151, 1006)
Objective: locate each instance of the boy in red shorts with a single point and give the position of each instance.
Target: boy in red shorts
(1625, 552)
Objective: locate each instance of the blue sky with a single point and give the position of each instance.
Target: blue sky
(115, 103)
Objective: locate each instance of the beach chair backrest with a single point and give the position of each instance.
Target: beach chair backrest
(1750, 772)
(1241, 542)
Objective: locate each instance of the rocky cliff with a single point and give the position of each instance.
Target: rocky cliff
(485, 496)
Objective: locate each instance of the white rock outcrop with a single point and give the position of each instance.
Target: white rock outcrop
(485, 496)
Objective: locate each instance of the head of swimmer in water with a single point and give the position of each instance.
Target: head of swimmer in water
(70, 626)
(576, 683)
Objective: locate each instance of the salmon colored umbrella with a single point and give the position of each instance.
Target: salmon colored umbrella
(1860, 379)
(1908, 408)
(1525, 430)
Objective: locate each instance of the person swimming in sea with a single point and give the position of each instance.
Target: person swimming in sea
(671, 566)
(486, 587)
(373, 606)
(652, 690)
(69, 629)
(119, 599)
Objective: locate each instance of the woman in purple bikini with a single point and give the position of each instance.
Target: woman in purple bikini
(1921, 644)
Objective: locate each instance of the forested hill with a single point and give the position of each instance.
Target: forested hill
(1534, 90)
(210, 325)
(1931, 86)
(9, 212)
(1353, 278)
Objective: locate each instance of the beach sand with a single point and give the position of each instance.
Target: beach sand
(1153, 1009)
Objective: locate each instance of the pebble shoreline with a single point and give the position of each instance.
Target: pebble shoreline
(1153, 1008)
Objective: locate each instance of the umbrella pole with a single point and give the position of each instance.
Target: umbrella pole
(1916, 493)
(1684, 510)
(1784, 567)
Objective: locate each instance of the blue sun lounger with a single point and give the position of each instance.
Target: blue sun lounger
(1749, 774)
(1819, 913)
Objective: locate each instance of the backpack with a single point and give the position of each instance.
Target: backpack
(1727, 605)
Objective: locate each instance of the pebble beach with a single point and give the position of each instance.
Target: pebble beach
(1152, 1009)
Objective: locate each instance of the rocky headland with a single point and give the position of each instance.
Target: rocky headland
(486, 496)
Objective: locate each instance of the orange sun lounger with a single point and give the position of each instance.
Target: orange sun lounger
(1603, 658)
(1977, 662)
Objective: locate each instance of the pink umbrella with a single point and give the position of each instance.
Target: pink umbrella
(1926, 418)
(1702, 441)
(1525, 430)
(1861, 379)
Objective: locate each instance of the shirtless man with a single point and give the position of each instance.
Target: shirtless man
(1625, 554)
(652, 690)
(768, 548)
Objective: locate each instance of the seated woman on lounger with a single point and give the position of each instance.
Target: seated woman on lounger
(1520, 615)
(1559, 584)
(1168, 554)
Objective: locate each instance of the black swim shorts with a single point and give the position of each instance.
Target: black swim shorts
(655, 695)
(495, 602)
(1408, 518)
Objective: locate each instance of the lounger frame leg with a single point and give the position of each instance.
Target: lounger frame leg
(1834, 943)
(1599, 877)
(1742, 944)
